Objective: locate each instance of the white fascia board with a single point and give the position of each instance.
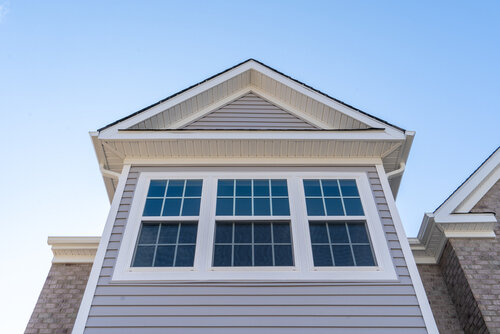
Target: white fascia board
(177, 99)
(101, 161)
(466, 218)
(370, 121)
(250, 65)
(249, 135)
(469, 193)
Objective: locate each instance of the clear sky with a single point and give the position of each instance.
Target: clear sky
(68, 67)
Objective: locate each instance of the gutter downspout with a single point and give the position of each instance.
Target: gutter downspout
(397, 172)
(109, 173)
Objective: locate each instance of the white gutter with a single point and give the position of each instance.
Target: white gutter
(109, 173)
(397, 172)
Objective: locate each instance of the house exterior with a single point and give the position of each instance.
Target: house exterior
(247, 203)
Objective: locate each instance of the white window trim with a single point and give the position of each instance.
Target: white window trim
(303, 270)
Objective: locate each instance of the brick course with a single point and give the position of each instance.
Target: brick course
(58, 303)
(442, 306)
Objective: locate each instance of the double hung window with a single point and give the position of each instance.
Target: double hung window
(254, 225)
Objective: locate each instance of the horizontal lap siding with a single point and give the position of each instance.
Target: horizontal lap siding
(315, 307)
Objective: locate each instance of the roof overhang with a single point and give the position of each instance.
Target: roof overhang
(454, 219)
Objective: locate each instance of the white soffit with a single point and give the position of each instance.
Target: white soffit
(453, 218)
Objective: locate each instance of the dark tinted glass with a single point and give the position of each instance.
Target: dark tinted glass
(157, 188)
(281, 233)
(279, 188)
(358, 233)
(318, 233)
(224, 233)
(225, 188)
(338, 233)
(185, 256)
(165, 256)
(144, 256)
(168, 234)
(261, 207)
(242, 233)
(191, 207)
(149, 233)
(353, 207)
(363, 255)
(172, 207)
(243, 207)
(334, 207)
(152, 207)
(349, 187)
(322, 256)
(330, 188)
(242, 255)
(224, 207)
(222, 256)
(187, 234)
(315, 207)
(312, 188)
(263, 255)
(280, 207)
(262, 233)
(261, 187)
(175, 188)
(342, 255)
(193, 188)
(243, 187)
(283, 255)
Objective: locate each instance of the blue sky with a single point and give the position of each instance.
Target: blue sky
(69, 67)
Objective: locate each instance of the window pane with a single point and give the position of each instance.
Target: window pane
(263, 255)
(338, 233)
(243, 187)
(334, 207)
(193, 188)
(353, 207)
(152, 207)
(242, 233)
(281, 233)
(349, 188)
(185, 256)
(187, 234)
(261, 187)
(172, 207)
(157, 188)
(261, 207)
(318, 233)
(168, 234)
(243, 207)
(175, 188)
(330, 188)
(149, 232)
(358, 233)
(224, 233)
(242, 255)
(279, 188)
(222, 256)
(225, 188)
(280, 207)
(224, 207)
(191, 207)
(144, 256)
(342, 255)
(165, 256)
(322, 256)
(262, 233)
(283, 255)
(315, 207)
(312, 188)
(363, 255)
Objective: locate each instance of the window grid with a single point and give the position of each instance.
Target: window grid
(323, 197)
(164, 197)
(349, 243)
(157, 242)
(252, 196)
(272, 243)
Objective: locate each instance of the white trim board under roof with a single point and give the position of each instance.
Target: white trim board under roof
(302, 123)
(454, 219)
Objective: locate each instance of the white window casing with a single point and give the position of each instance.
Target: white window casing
(303, 269)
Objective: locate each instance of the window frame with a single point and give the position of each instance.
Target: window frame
(303, 269)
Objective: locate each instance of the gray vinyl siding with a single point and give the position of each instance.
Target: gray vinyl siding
(250, 112)
(306, 307)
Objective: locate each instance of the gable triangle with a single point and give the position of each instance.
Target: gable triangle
(250, 112)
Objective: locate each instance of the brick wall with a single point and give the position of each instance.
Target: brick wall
(480, 262)
(442, 306)
(58, 303)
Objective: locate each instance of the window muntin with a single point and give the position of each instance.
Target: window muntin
(252, 244)
(340, 244)
(173, 198)
(332, 197)
(248, 197)
(169, 244)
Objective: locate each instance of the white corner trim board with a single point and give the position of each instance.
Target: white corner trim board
(88, 295)
(425, 307)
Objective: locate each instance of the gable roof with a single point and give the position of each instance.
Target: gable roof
(249, 61)
(454, 219)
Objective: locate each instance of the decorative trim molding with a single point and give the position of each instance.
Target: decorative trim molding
(73, 249)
